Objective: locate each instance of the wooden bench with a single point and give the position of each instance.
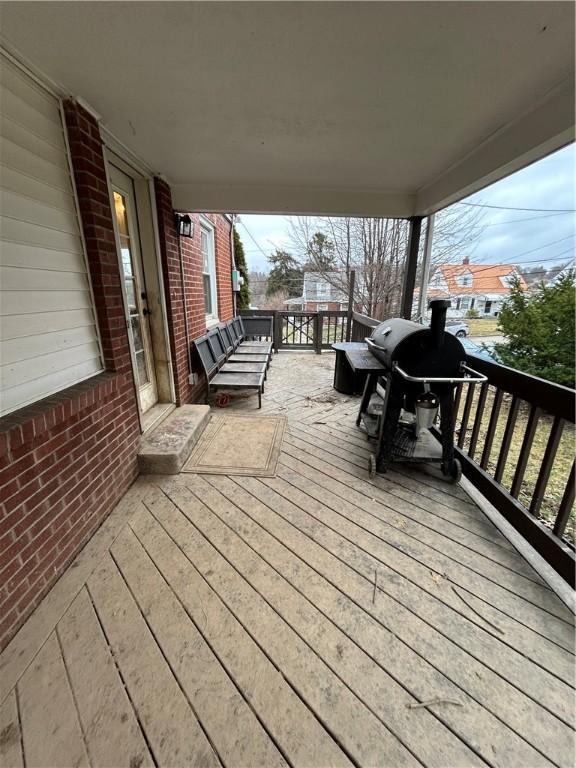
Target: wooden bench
(223, 374)
(225, 353)
(245, 342)
(254, 327)
(238, 351)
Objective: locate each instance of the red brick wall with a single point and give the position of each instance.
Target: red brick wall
(67, 460)
(192, 261)
(223, 254)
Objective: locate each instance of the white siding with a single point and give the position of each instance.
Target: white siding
(48, 333)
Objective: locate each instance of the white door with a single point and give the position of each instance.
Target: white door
(136, 304)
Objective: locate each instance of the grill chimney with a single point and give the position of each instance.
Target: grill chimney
(439, 308)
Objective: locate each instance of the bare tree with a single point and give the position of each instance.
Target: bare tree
(376, 249)
(275, 301)
(373, 247)
(457, 231)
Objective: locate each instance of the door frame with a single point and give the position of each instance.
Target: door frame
(147, 221)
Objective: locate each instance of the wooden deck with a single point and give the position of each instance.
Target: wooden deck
(297, 620)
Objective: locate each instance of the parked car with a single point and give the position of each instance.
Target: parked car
(458, 328)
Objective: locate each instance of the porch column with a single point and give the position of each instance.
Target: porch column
(411, 264)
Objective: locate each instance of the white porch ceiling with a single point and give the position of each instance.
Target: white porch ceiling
(374, 108)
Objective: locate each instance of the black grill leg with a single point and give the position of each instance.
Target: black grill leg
(369, 389)
(391, 418)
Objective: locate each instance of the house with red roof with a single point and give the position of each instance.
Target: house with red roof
(479, 287)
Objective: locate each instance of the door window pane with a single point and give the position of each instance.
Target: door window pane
(136, 333)
(121, 213)
(130, 293)
(141, 368)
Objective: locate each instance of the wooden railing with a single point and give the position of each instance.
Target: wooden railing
(515, 438)
(305, 330)
(362, 326)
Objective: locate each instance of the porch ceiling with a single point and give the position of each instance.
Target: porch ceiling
(363, 108)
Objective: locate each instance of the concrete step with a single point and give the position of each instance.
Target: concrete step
(165, 449)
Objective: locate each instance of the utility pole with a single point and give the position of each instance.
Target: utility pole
(423, 299)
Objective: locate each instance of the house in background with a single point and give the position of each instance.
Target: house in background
(479, 287)
(100, 299)
(320, 293)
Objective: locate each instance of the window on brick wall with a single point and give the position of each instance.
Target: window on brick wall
(209, 271)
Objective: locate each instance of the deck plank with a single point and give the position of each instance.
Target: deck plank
(509, 704)
(463, 546)
(471, 635)
(294, 727)
(557, 629)
(51, 732)
(22, 649)
(361, 734)
(348, 434)
(112, 732)
(304, 451)
(458, 565)
(10, 734)
(426, 737)
(210, 691)
(171, 729)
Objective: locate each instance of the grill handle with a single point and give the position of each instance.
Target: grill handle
(476, 378)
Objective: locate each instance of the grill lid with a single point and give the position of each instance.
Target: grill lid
(419, 350)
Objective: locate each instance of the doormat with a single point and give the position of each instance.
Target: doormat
(238, 445)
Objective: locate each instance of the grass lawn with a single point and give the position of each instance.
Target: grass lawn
(483, 326)
(562, 462)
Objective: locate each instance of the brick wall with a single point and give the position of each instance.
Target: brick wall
(68, 459)
(193, 286)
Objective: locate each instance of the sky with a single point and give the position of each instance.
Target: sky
(521, 237)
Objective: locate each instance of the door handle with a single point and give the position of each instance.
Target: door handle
(146, 311)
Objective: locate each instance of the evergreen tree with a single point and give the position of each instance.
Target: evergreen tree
(243, 295)
(286, 274)
(320, 253)
(540, 330)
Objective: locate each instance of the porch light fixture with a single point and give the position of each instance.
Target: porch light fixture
(185, 225)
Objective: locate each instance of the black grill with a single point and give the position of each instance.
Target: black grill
(409, 351)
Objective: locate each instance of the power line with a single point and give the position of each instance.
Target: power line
(253, 240)
(511, 208)
(517, 221)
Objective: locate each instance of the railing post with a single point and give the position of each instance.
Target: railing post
(278, 320)
(318, 333)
